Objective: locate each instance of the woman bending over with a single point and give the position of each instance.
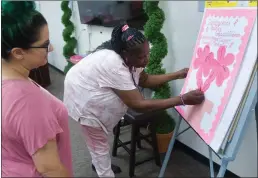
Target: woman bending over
(100, 88)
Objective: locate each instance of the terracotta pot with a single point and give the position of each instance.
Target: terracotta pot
(163, 141)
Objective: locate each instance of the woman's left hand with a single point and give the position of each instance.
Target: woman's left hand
(181, 74)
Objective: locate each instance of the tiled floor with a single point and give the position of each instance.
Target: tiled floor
(180, 165)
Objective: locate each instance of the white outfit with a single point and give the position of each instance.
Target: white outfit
(88, 93)
(97, 143)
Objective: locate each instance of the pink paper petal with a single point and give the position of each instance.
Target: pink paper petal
(226, 73)
(206, 70)
(206, 50)
(228, 60)
(199, 78)
(197, 63)
(219, 79)
(221, 53)
(208, 82)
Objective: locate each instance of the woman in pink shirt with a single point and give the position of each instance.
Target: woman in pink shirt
(35, 133)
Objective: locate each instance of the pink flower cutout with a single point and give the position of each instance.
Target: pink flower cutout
(223, 62)
(203, 64)
(220, 71)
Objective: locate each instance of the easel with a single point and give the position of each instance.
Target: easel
(233, 147)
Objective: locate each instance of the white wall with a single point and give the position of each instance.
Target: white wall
(52, 12)
(89, 37)
(181, 29)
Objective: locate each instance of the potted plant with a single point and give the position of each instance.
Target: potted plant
(165, 123)
(71, 42)
(164, 131)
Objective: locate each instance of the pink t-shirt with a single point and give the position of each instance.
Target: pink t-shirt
(30, 117)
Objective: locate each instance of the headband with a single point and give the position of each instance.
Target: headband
(124, 28)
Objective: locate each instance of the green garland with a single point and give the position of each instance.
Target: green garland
(159, 50)
(71, 42)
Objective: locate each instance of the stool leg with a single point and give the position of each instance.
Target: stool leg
(133, 149)
(139, 144)
(116, 138)
(155, 144)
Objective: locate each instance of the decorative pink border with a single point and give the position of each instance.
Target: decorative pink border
(250, 14)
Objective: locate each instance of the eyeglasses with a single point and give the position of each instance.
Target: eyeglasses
(47, 47)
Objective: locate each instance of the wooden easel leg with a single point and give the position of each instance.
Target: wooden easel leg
(170, 148)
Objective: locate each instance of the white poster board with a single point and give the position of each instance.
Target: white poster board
(222, 65)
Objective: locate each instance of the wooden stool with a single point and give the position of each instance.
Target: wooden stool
(137, 120)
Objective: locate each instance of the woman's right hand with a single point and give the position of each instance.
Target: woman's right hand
(193, 97)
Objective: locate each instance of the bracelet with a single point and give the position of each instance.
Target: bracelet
(181, 97)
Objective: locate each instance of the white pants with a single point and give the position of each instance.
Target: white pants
(97, 142)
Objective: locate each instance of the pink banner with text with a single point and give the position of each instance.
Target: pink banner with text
(217, 58)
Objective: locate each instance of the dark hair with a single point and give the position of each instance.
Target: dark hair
(123, 38)
(21, 23)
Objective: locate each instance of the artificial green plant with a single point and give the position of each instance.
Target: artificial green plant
(159, 50)
(70, 42)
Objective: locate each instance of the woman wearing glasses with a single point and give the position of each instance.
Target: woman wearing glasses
(35, 133)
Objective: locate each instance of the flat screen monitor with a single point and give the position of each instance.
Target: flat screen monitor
(112, 13)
